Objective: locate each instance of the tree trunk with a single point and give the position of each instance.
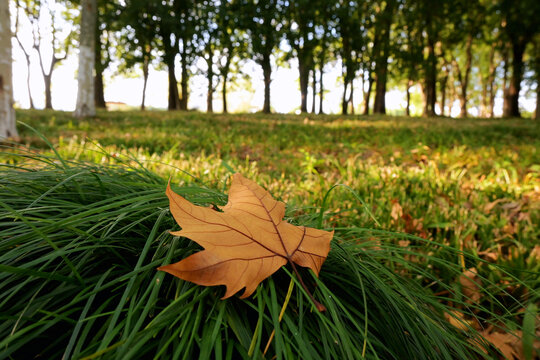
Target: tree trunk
(408, 108)
(210, 92)
(430, 90)
(491, 81)
(314, 90)
(98, 78)
(506, 68)
(351, 97)
(303, 69)
(146, 64)
(224, 95)
(443, 83)
(321, 90)
(48, 96)
(225, 73)
(344, 100)
(518, 48)
(465, 81)
(537, 110)
(7, 113)
(85, 94)
(381, 60)
(174, 100)
(27, 58)
(184, 80)
(99, 89)
(537, 71)
(367, 95)
(267, 73)
(30, 98)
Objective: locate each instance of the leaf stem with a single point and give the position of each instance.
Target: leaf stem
(317, 304)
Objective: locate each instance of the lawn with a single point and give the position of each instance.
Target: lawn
(466, 191)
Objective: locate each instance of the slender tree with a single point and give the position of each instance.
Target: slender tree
(40, 13)
(26, 51)
(263, 22)
(85, 95)
(7, 114)
(383, 26)
(519, 23)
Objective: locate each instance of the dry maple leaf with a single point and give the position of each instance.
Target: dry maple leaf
(246, 243)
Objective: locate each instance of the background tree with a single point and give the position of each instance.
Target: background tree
(7, 114)
(137, 40)
(27, 51)
(87, 41)
(519, 24)
(301, 19)
(231, 46)
(263, 23)
(107, 17)
(350, 27)
(44, 17)
(383, 26)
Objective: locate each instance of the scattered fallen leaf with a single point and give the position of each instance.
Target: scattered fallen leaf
(510, 344)
(244, 244)
(457, 319)
(397, 210)
(470, 285)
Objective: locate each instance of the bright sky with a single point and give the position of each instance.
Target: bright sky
(285, 93)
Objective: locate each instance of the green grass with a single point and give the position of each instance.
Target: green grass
(79, 251)
(81, 237)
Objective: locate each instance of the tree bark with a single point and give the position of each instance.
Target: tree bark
(518, 48)
(85, 94)
(430, 87)
(267, 73)
(224, 95)
(174, 101)
(27, 58)
(321, 89)
(491, 81)
(48, 95)
(464, 81)
(367, 95)
(408, 108)
(381, 60)
(351, 97)
(184, 80)
(225, 74)
(506, 68)
(210, 92)
(344, 100)
(314, 90)
(146, 65)
(303, 69)
(537, 110)
(443, 83)
(7, 113)
(98, 78)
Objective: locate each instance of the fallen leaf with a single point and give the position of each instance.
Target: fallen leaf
(470, 285)
(509, 344)
(397, 210)
(244, 244)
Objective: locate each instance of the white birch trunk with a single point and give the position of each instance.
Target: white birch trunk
(85, 94)
(7, 114)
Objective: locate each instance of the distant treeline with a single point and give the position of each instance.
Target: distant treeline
(465, 50)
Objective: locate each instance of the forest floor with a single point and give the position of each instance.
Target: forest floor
(469, 184)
